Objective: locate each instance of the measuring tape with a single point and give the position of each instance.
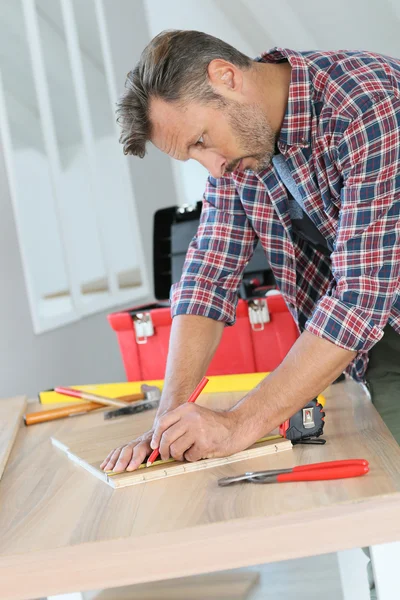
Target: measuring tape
(307, 424)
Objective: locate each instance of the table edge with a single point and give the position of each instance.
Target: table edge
(212, 547)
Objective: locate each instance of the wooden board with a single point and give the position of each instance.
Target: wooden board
(88, 447)
(11, 411)
(91, 460)
(216, 586)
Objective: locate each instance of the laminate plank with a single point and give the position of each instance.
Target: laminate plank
(11, 412)
(90, 460)
(88, 447)
(216, 586)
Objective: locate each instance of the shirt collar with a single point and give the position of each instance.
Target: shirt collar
(296, 126)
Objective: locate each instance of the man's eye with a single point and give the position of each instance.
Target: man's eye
(200, 141)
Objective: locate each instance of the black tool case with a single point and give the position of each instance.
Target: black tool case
(174, 229)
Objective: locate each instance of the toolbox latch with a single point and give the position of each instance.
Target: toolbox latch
(258, 314)
(143, 327)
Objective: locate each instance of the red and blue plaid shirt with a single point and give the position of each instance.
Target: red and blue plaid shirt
(341, 141)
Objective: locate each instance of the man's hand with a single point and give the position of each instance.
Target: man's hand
(192, 432)
(130, 456)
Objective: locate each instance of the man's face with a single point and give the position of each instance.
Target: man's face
(223, 138)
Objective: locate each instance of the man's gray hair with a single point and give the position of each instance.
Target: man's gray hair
(173, 67)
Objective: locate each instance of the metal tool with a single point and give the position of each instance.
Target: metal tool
(151, 395)
(337, 469)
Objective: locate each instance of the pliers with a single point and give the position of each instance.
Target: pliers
(336, 469)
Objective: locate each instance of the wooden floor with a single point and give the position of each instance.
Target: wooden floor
(301, 579)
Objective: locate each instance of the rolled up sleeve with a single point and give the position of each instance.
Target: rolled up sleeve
(217, 256)
(366, 256)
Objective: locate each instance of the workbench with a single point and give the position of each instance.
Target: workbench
(62, 530)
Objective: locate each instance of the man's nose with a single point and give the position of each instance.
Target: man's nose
(213, 162)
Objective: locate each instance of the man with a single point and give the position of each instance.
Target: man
(303, 151)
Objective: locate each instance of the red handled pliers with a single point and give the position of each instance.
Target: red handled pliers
(336, 469)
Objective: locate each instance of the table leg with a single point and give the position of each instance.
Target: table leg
(353, 574)
(385, 560)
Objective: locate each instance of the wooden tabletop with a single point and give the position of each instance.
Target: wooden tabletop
(63, 530)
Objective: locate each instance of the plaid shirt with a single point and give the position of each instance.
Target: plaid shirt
(341, 141)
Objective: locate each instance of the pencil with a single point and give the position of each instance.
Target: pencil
(92, 397)
(192, 398)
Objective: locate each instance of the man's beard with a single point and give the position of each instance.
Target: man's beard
(254, 134)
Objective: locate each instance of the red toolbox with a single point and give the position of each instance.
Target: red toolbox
(261, 337)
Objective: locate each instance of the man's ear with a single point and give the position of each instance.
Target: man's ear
(224, 77)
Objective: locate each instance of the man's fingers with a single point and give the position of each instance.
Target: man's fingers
(107, 459)
(193, 454)
(124, 454)
(169, 437)
(139, 454)
(180, 446)
(163, 424)
(123, 459)
(113, 457)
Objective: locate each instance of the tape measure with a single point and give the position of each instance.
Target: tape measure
(307, 424)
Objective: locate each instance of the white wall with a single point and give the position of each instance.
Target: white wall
(152, 177)
(48, 272)
(80, 353)
(85, 351)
